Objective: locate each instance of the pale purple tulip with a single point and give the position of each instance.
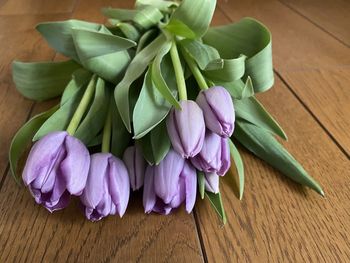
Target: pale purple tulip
(136, 165)
(218, 110)
(107, 189)
(186, 128)
(57, 167)
(211, 182)
(214, 156)
(169, 184)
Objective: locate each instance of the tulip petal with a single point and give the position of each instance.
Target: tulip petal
(119, 184)
(186, 128)
(166, 176)
(149, 196)
(190, 176)
(94, 189)
(136, 165)
(42, 157)
(75, 167)
(225, 157)
(212, 182)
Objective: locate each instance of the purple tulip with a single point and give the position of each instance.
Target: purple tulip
(107, 189)
(218, 110)
(57, 167)
(186, 129)
(136, 165)
(211, 182)
(214, 156)
(169, 184)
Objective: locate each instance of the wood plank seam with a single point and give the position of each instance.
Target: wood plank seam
(313, 22)
(199, 236)
(341, 148)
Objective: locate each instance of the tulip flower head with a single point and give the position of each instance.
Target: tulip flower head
(214, 156)
(57, 167)
(107, 189)
(169, 184)
(136, 165)
(186, 129)
(218, 110)
(211, 182)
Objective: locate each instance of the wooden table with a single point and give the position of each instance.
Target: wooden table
(277, 220)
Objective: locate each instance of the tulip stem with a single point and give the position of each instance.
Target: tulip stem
(195, 70)
(107, 131)
(84, 103)
(179, 74)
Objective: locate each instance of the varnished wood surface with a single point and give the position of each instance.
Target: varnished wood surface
(277, 220)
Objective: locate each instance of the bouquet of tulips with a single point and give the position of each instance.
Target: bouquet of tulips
(154, 101)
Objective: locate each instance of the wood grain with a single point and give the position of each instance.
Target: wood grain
(29, 233)
(332, 16)
(299, 45)
(8, 7)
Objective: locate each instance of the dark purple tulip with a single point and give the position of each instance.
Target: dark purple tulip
(214, 156)
(218, 110)
(57, 167)
(107, 189)
(211, 182)
(186, 128)
(136, 165)
(169, 184)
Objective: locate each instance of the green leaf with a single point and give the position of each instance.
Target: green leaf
(232, 69)
(135, 69)
(60, 119)
(158, 78)
(94, 120)
(151, 101)
(146, 16)
(42, 80)
(201, 183)
(59, 35)
(129, 31)
(145, 39)
(216, 202)
(156, 144)
(80, 78)
(239, 167)
(23, 137)
(120, 136)
(185, 23)
(248, 89)
(207, 57)
(252, 111)
(266, 147)
(250, 38)
(102, 53)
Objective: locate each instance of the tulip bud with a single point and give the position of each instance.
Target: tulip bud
(107, 189)
(218, 110)
(136, 165)
(186, 129)
(57, 167)
(211, 182)
(214, 156)
(169, 184)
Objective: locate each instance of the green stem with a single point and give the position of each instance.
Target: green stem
(179, 74)
(84, 103)
(107, 132)
(195, 70)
